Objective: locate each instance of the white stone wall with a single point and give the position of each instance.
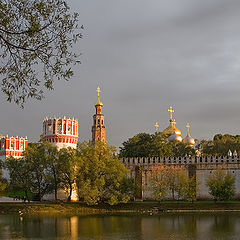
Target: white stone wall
(204, 168)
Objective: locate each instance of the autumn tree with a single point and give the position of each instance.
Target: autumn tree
(100, 177)
(36, 40)
(159, 182)
(221, 185)
(170, 179)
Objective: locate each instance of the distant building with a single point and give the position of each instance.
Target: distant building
(98, 128)
(61, 132)
(11, 146)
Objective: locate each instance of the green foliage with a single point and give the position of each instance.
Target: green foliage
(36, 40)
(20, 172)
(101, 176)
(174, 180)
(181, 149)
(220, 145)
(3, 182)
(190, 189)
(146, 145)
(39, 159)
(70, 163)
(221, 185)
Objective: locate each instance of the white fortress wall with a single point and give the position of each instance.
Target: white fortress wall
(201, 167)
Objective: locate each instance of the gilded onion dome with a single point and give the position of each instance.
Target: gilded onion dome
(171, 129)
(188, 139)
(175, 138)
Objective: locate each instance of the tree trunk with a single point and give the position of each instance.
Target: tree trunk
(55, 192)
(70, 193)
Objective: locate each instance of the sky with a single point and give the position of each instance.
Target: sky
(146, 56)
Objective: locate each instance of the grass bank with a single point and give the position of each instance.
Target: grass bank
(128, 208)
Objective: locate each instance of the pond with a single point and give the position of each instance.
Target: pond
(181, 226)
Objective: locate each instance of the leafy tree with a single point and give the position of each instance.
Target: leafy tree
(160, 146)
(69, 162)
(190, 189)
(220, 145)
(221, 185)
(3, 182)
(159, 182)
(101, 174)
(172, 179)
(36, 159)
(181, 149)
(52, 167)
(20, 172)
(36, 39)
(146, 145)
(137, 146)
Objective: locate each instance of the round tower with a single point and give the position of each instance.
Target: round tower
(61, 132)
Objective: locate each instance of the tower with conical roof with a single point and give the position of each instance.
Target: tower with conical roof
(98, 128)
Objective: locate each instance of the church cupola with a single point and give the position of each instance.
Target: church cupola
(98, 128)
(188, 139)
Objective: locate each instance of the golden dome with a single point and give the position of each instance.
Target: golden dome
(98, 103)
(171, 129)
(175, 137)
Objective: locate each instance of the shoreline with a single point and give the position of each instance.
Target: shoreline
(131, 208)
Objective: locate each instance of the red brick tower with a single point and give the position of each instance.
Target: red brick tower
(98, 128)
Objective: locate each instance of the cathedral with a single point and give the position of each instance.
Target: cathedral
(174, 134)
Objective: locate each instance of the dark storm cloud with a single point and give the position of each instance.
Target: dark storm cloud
(146, 56)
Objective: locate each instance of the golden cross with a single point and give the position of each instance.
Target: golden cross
(171, 112)
(98, 91)
(188, 126)
(174, 122)
(156, 126)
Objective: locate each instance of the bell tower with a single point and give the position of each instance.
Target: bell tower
(98, 128)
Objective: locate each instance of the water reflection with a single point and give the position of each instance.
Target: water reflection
(190, 226)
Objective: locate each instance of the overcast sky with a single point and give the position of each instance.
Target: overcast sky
(146, 56)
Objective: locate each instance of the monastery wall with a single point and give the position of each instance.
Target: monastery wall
(201, 167)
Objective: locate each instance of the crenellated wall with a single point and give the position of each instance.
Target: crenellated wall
(201, 167)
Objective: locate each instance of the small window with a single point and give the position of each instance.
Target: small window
(98, 121)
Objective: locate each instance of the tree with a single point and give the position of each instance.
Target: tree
(3, 182)
(20, 172)
(159, 182)
(220, 145)
(181, 149)
(221, 185)
(190, 189)
(146, 145)
(52, 167)
(36, 40)
(100, 177)
(35, 157)
(69, 162)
